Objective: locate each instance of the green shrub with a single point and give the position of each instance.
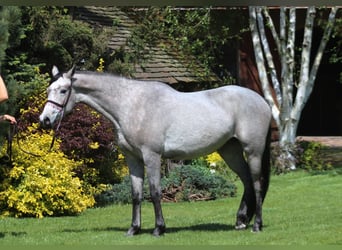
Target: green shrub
(115, 194)
(42, 186)
(186, 183)
(191, 183)
(310, 156)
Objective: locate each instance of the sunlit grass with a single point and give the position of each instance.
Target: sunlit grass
(300, 209)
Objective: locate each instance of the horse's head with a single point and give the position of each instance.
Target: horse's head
(61, 99)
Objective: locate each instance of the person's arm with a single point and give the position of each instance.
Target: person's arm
(3, 91)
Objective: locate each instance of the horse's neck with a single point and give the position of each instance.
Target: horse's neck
(107, 95)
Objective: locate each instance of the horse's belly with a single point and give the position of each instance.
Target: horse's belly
(186, 142)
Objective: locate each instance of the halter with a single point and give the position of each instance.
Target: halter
(62, 107)
(14, 130)
(65, 103)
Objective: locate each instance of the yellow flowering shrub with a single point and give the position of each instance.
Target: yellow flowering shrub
(43, 185)
(100, 68)
(216, 163)
(120, 168)
(214, 159)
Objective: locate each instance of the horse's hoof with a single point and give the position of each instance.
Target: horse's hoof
(256, 229)
(133, 231)
(159, 231)
(241, 226)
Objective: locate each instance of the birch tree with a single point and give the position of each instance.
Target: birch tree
(279, 87)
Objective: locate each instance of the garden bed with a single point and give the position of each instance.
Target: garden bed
(332, 151)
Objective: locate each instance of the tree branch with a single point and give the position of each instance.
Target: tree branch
(259, 58)
(282, 31)
(305, 88)
(290, 48)
(301, 96)
(285, 107)
(270, 24)
(268, 55)
(322, 45)
(287, 64)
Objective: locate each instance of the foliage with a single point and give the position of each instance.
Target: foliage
(50, 34)
(334, 51)
(11, 31)
(311, 158)
(216, 163)
(42, 185)
(119, 193)
(94, 165)
(198, 36)
(28, 78)
(3, 34)
(10, 35)
(193, 33)
(23, 86)
(85, 135)
(186, 183)
(308, 156)
(191, 183)
(100, 68)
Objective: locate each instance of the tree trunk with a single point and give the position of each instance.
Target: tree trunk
(286, 159)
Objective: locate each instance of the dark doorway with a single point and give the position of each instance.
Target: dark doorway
(322, 115)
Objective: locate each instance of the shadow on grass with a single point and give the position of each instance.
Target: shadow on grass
(210, 227)
(15, 234)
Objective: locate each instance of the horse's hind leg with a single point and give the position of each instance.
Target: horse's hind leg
(255, 161)
(232, 154)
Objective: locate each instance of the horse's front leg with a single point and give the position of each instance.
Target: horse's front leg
(152, 162)
(136, 169)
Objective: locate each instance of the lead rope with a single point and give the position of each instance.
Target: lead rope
(56, 130)
(14, 131)
(9, 142)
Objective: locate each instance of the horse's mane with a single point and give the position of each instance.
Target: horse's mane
(95, 73)
(106, 74)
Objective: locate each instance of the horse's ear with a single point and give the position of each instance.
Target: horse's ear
(71, 72)
(55, 71)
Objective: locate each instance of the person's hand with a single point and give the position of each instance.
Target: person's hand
(8, 118)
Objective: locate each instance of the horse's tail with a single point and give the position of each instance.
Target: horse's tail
(266, 165)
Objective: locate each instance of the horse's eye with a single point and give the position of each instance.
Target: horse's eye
(63, 91)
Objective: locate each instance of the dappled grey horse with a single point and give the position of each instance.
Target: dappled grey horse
(153, 120)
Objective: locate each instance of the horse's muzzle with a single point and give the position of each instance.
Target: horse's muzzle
(45, 122)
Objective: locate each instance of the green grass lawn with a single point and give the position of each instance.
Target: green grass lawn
(300, 209)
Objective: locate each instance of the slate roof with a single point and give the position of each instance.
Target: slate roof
(159, 62)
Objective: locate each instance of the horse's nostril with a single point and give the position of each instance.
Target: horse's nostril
(46, 122)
